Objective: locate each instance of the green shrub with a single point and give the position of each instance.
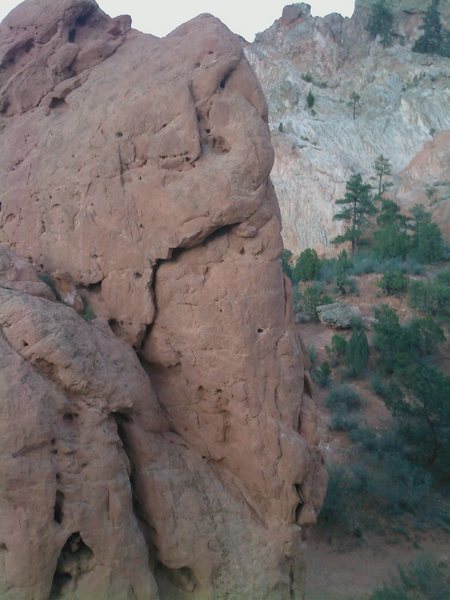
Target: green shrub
(343, 397)
(357, 352)
(310, 100)
(286, 267)
(432, 297)
(337, 350)
(307, 267)
(342, 421)
(427, 242)
(393, 282)
(312, 297)
(88, 314)
(422, 579)
(391, 242)
(312, 354)
(339, 510)
(322, 375)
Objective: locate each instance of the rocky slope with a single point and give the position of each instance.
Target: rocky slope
(403, 113)
(166, 448)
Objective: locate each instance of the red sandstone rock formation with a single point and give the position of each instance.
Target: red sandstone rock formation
(135, 179)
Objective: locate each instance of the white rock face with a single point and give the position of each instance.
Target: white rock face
(404, 103)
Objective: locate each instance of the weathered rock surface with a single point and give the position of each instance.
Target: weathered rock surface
(404, 106)
(135, 179)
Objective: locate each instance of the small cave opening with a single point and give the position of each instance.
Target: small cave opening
(72, 36)
(69, 417)
(57, 102)
(58, 508)
(183, 579)
(115, 327)
(81, 20)
(94, 288)
(74, 561)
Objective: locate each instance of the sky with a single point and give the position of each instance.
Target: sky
(245, 17)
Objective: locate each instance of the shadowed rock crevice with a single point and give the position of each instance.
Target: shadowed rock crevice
(75, 560)
(124, 423)
(182, 579)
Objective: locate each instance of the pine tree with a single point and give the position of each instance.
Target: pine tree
(355, 103)
(383, 169)
(357, 206)
(432, 38)
(427, 241)
(380, 22)
(307, 266)
(391, 240)
(357, 351)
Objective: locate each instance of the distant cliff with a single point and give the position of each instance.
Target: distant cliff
(401, 113)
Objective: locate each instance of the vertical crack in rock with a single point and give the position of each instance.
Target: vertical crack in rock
(75, 560)
(58, 509)
(124, 421)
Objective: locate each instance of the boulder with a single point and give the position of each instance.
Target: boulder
(166, 447)
(338, 315)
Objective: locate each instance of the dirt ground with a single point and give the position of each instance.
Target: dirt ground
(354, 574)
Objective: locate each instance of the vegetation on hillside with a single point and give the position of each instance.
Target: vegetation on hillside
(399, 475)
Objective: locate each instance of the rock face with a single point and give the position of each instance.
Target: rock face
(404, 106)
(166, 448)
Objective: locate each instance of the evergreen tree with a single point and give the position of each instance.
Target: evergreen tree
(432, 38)
(286, 267)
(391, 240)
(380, 22)
(307, 266)
(427, 241)
(393, 282)
(355, 103)
(357, 206)
(357, 351)
(383, 169)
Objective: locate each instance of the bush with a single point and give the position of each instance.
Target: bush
(88, 314)
(393, 282)
(343, 397)
(391, 341)
(307, 267)
(427, 242)
(310, 100)
(391, 242)
(286, 267)
(342, 421)
(357, 352)
(312, 354)
(422, 579)
(339, 510)
(337, 350)
(432, 297)
(322, 374)
(312, 297)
